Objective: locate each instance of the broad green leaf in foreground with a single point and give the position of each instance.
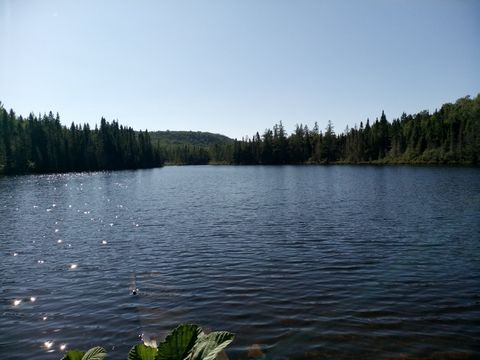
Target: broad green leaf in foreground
(208, 346)
(142, 352)
(95, 353)
(73, 355)
(178, 344)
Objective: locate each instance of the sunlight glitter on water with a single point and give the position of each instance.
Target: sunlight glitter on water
(307, 262)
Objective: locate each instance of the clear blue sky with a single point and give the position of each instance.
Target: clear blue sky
(235, 67)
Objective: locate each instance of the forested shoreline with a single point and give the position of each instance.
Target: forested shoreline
(40, 144)
(450, 135)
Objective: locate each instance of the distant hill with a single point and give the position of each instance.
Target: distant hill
(195, 138)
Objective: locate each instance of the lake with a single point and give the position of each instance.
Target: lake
(301, 262)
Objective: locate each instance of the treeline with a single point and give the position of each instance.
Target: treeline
(195, 138)
(450, 135)
(186, 154)
(40, 144)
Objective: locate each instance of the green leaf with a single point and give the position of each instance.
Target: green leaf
(142, 352)
(208, 346)
(73, 355)
(95, 353)
(179, 343)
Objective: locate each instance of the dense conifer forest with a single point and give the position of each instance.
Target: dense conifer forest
(188, 147)
(40, 144)
(196, 138)
(450, 135)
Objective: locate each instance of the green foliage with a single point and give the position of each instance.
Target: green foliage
(142, 352)
(187, 341)
(186, 155)
(191, 147)
(40, 144)
(208, 346)
(74, 355)
(448, 136)
(179, 343)
(193, 138)
(95, 353)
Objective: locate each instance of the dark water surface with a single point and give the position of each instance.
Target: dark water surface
(300, 262)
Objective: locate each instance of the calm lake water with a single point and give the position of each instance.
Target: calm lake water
(304, 262)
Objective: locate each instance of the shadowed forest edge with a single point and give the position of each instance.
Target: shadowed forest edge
(41, 144)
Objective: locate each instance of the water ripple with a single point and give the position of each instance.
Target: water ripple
(300, 262)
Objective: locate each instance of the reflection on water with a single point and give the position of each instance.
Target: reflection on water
(300, 262)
